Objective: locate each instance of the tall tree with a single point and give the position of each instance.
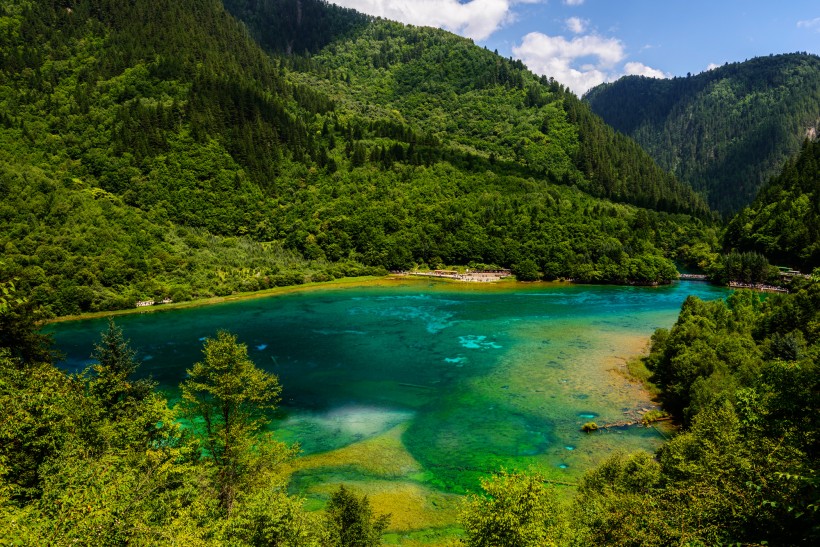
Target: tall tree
(113, 384)
(232, 398)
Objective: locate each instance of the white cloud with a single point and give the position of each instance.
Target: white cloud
(712, 66)
(476, 19)
(554, 56)
(639, 69)
(576, 24)
(811, 24)
(608, 50)
(580, 63)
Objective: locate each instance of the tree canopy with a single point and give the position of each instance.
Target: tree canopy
(155, 150)
(233, 399)
(783, 223)
(725, 131)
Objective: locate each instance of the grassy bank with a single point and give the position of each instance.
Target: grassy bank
(336, 284)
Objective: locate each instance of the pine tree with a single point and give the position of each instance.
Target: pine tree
(231, 397)
(113, 384)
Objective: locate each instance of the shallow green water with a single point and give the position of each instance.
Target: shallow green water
(483, 377)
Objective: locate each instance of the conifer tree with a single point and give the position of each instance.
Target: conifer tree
(113, 384)
(231, 397)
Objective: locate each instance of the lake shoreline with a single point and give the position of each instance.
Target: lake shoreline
(390, 280)
(200, 302)
(346, 282)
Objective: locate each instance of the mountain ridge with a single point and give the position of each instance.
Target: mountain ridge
(783, 223)
(725, 131)
(153, 149)
(412, 64)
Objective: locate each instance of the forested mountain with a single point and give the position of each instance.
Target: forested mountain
(489, 111)
(725, 131)
(154, 149)
(783, 223)
(304, 27)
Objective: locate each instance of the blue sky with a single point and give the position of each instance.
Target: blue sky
(582, 43)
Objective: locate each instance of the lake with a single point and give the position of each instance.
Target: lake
(412, 390)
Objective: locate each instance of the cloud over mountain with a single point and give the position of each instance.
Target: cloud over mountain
(581, 62)
(476, 19)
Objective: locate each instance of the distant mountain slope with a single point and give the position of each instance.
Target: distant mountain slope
(470, 100)
(297, 26)
(725, 131)
(783, 223)
(151, 148)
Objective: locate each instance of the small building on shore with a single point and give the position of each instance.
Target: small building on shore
(143, 303)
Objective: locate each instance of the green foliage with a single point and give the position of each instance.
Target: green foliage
(744, 381)
(7, 298)
(228, 398)
(154, 150)
(18, 320)
(80, 464)
(746, 267)
(76, 469)
(653, 416)
(743, 374)
(708, 350)
(783, 223)
(33, 428)
(516, 510)
(736, 476)
(112, 383)
(351, 522)
(268, 516)
(526, 270)
(725, 131)
(614, 505)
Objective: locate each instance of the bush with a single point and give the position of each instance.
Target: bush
(351, 521)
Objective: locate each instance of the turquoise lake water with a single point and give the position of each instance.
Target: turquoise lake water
(481, 377)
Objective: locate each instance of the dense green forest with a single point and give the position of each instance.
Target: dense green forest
(153, 149)
(164, 148)
(725, 131)
(492, 112)
(783, 223)
(100, 457)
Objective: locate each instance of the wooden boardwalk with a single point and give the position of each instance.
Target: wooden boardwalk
(692, 277)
